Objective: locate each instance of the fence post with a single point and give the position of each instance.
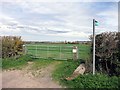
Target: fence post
(36, 51)
(78, 48)
(75, 53)
(60, 52)
(25, 49)
(47, 51)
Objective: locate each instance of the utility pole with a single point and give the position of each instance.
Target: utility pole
(93, 46)
(95, 23)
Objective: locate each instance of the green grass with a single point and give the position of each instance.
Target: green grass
(59, 51)
(66, 68)
(41, 63)
(21, 62)
(8, 63)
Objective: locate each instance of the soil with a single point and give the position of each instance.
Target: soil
(27, 78)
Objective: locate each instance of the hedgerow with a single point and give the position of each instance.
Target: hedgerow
(108, 53)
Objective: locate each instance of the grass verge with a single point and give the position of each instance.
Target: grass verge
(21, 62)
(8, 63)
(66, 68)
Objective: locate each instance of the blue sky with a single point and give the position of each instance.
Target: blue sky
(56, 21)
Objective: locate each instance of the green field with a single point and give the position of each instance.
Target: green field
(58, 51)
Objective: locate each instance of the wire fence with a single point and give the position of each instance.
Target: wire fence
(50, 51)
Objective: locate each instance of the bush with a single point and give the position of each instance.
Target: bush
(107, 53)
(96, 81)
(11, 46)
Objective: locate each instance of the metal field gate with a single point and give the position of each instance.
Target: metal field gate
(61, 52)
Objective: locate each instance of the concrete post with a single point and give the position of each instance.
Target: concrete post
(75, 53)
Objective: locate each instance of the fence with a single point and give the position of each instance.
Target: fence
(60, 52)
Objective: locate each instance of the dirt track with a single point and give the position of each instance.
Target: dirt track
(23, 79)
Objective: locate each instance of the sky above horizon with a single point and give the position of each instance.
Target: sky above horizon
(56, 21)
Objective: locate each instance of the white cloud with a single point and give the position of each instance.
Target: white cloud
(8, 25)
(6, 29)
(72, 17)
(72, 34)
(110, 17)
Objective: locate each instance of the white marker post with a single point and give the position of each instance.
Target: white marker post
(95, 23)
(75, 53)
(24, 49)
